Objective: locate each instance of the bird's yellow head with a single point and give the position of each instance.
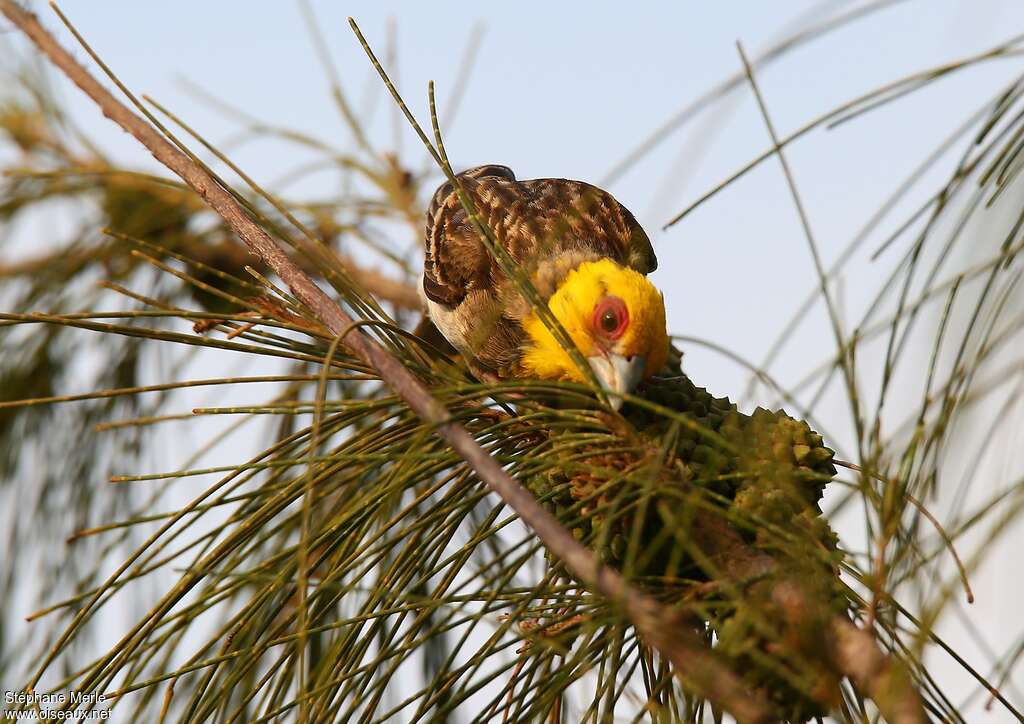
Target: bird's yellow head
(616, 318)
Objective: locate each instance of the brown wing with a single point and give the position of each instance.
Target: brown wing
(532, 220)
(455, 261)
(573, 215)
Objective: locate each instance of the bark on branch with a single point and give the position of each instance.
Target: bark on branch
(698, 666)
(854, 652)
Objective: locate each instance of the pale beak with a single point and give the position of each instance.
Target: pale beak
(618, 375)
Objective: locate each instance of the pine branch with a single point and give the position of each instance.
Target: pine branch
(662, 628)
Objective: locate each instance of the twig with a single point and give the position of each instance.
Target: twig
(961, 569)
(693, 661)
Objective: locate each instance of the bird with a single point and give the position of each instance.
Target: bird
(584, 253)
(588, 259)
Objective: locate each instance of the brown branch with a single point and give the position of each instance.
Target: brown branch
(698, 666)
(382, 286)
(885, 680)
(854, 652)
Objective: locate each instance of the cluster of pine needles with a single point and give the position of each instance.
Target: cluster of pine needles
(356, 568)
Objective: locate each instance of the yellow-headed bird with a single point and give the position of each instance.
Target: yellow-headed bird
(584, 252)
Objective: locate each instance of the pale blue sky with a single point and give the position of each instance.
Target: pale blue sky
(564, 89)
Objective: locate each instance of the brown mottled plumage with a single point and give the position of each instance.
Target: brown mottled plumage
(549, 226)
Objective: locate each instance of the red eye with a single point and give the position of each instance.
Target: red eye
(611, 317)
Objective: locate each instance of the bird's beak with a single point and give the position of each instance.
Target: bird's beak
(618, 375)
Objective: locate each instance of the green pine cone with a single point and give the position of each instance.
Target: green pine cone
(771, 466)
(769, 471)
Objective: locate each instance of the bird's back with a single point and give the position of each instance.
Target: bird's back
(548, 227)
